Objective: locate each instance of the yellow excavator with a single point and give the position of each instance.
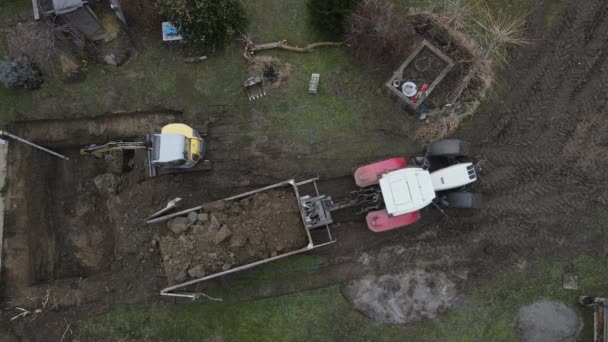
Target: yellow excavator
(177, 148)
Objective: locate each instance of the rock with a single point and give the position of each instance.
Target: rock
(214, 223)
(178, 225)
(215, 206)
(106, 184)
(238, 241)
(111, 59)
(181, 277)
(222, 235)
(203, 217)
(226, 267)
(221, 217)
(192, 217)
(273, 253)
(197, 271)
(548, 321)
(212, 256)
(197, 229)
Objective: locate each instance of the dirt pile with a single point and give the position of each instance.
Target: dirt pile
(230, 234)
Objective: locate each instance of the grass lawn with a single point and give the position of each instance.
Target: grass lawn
(485, 314)
(157, 77)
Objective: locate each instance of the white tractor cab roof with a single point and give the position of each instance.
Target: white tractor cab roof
(406, 190)
(412, 188)
(168, 147)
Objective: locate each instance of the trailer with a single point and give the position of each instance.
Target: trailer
(315, 213)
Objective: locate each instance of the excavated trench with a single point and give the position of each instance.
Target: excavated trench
(58, 218)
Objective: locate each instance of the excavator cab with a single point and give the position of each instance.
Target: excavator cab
(177, 146)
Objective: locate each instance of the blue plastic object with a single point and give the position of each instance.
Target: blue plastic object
(170, 30)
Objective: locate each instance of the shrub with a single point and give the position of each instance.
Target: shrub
(204, 23)
(20, 73)
(377, 35)
(328, 15)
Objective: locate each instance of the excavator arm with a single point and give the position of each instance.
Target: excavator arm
(99, 150)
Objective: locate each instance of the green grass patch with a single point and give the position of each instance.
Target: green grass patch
(489, 313)
(485, 314)
(321, 315)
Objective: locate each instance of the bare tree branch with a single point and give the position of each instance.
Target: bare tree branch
(251, 48)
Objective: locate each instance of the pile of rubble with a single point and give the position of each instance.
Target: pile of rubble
(230, 234)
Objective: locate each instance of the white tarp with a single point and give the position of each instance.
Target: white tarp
(63, 6)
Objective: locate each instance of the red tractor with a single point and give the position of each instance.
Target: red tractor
(399, 191)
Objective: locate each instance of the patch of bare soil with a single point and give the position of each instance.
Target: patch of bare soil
(424, 68)
(272, 70)
(237, 233)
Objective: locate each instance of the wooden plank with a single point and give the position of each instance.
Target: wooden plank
(36, 9)
(3, 180)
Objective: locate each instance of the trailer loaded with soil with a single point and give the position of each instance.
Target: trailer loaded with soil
(238, 233)
(229, 234)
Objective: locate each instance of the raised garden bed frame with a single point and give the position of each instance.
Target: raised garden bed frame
(398, 74)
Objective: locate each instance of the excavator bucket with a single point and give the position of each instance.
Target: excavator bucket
(254, 88)
(380, 221)
(369, 174)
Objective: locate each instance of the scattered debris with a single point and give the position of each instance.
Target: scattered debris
(313, 85)
(170, 32)
(570, 281)
(195, 59)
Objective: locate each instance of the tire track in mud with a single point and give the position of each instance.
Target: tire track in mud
(543, 150)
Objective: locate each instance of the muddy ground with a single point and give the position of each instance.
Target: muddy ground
(542, 149)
